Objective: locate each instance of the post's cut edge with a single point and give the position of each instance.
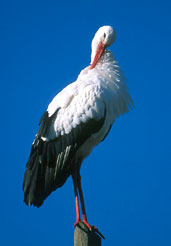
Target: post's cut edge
(84, 237)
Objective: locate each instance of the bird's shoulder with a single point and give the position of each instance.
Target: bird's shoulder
(76, 104)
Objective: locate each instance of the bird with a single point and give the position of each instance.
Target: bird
(77, 119)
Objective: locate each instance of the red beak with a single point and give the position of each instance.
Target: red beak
(100, 49)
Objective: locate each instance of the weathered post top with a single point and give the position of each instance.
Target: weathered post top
(84, 237)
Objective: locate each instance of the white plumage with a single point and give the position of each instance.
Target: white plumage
(77, 119)
(94, 91)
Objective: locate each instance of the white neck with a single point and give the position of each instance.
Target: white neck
(93, 52)
(107, 59)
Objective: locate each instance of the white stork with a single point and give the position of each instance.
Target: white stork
(78, 118)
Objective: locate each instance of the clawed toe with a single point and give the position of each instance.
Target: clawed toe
(76, 223)
(91, 228)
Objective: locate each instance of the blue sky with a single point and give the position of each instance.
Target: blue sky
(126, 180)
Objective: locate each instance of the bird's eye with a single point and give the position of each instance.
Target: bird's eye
(104, 35)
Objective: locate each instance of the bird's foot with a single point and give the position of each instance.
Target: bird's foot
(77, 222)
(91, 228)
(85, 222)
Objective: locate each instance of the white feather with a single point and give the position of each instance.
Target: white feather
(96, 92)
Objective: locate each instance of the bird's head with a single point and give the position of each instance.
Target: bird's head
(103, 38)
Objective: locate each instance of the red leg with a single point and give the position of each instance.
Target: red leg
(83, 204)
(77, 184)
(75, 178)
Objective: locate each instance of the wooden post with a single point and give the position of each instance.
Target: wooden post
(84, 237)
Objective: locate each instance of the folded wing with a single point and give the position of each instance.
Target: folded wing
(64, 128)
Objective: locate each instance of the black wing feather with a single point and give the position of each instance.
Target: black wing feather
(50, 163)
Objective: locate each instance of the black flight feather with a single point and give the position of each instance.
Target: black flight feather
(50, 163)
